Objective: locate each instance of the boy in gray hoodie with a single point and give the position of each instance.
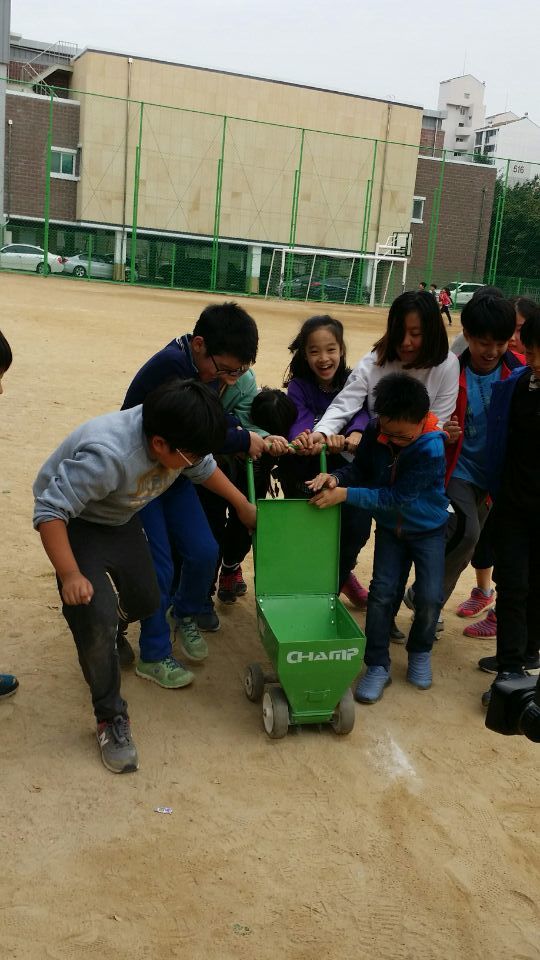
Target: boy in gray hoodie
(87, 495)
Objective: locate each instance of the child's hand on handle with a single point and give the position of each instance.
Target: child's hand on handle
(352, 441)
(335, 443)
(257, 445)
(303, 444)
(452, 429)
(329, 498)
(322, 480)
(277, 445)
(76, 589)
(247, 514)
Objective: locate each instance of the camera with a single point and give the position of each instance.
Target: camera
(515, 707)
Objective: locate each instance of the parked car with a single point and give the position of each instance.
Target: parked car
(189, 273)
(101, 266)
(24, 256)
(332, 288)
(464, 291)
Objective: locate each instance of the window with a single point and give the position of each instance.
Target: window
(467, 96)
(63, 163)
(418, 210)
(478, 139)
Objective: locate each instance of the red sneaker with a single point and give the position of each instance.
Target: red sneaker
(355, 592)
(484, 629)
(476, 603)
(231, 585)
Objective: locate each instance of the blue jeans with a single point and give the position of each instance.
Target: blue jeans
(176, 521)
(394, 556)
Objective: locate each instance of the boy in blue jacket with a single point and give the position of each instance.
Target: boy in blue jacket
(398, 476)
(513, 468)
(219, 352)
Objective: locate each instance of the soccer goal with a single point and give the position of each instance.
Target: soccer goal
(300, 273)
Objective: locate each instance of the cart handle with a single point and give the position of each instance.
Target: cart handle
(251, 477)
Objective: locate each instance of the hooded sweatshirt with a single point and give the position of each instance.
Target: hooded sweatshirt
(102, 472)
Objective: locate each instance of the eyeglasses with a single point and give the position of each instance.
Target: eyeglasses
(190, 463)
(226, 371)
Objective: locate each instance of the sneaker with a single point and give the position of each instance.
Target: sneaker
(484, 629)
(489, 664)
(370, 687)
(231, 584)
(419, 670)
(185, 629)
(486, 696)
(408, 598)
(208, 620)
(355, 592)
(126, 654)
(396, 635)
(168, 673)
(8, 685)
(476, 603)
(118, 752)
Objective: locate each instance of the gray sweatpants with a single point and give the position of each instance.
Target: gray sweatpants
(465, 524)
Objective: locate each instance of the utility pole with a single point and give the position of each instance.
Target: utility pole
(5, 23)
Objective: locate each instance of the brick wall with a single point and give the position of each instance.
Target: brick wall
(24, 178)
(464, 219)
(432, 141)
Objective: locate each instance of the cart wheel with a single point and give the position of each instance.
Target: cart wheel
(254, 682)
(344, 715)
(275, 710)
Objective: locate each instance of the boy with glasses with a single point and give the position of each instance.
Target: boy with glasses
(87, 497)
(219, 352)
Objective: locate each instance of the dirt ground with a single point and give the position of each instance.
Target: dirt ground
(415, 837)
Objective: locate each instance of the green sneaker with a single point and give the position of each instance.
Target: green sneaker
(193, 645)
(168, 673)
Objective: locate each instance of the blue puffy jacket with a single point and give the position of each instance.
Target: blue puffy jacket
(403, 488)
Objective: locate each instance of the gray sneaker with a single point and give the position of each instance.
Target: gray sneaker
(118, 751)
(185, 629)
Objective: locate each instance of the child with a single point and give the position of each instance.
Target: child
(219, 352)
(8, 683)
(513, 466)
(86, 497)
(398, 476)
(317, 372)
(445, 301)
(488, 324)
(415, 341)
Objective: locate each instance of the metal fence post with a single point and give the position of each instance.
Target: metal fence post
(294, 214)
(136, 199)
(434, 223)
(217, 210)
(47, 203)
(364, 239)
(499, 217)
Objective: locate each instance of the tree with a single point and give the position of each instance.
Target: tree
(519, 248)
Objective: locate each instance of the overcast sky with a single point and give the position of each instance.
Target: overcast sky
(397, 49)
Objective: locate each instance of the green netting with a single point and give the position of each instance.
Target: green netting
(125, 191)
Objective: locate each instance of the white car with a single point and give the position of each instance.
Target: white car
(23, 256)
(100, 266)
(464, 292)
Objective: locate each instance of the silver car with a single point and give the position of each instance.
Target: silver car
(100, 266)
(24, 256)
(464, 292)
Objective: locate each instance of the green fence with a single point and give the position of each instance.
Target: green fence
(141, 193)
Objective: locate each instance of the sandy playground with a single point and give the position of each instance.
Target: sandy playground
(416, 837)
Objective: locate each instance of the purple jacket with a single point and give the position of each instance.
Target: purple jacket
(312, 403)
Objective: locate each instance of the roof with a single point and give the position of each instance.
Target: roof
(506, 123)
(247, 76)
(462, 77)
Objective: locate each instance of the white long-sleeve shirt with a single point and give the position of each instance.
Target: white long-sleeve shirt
(441, 383)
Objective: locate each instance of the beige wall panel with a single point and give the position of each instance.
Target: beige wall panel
(180, 153)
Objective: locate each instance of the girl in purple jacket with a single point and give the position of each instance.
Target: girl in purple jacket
(316, 374)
